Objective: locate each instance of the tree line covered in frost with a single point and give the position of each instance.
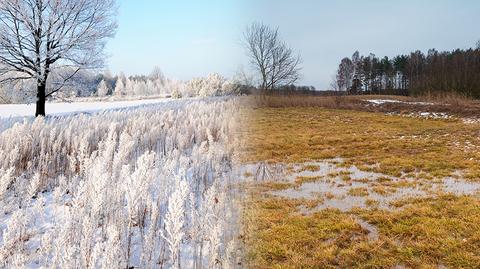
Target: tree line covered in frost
(90, 84)
(156, 84)
(143, 188)
(436, 72)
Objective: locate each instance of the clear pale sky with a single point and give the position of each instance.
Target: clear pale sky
(193, 38)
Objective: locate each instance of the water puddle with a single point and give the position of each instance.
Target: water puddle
(345, 188)
(460, 187)
(259, 172)
(332, 185)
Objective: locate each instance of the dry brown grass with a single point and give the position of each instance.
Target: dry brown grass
(455, 105)
(396, 144)
(449, 98)
(273, 101)
(433, 232)
(437, 232)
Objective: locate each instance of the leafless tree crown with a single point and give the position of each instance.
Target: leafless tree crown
(39, 36)
(272, 58)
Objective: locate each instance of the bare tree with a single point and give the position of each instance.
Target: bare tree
(271, 57)
(335, 84)
(38, 37)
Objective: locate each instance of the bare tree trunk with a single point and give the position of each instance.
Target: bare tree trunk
(40, 109)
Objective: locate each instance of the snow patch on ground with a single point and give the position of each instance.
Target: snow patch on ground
(385, 101)
(430, 115)
(422, 114)
(471, 120)
(435, 116)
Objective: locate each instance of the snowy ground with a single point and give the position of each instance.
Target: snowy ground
(385, 101)
(27, 110)
(140, 187)
(422, 114)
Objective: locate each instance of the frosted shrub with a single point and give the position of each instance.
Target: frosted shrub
(141, 187)
(233, 87)
(174, 221)
(14, 237)
(136, 186)
(176, 94)
(6, 179)
(208, 86)
(34, 185)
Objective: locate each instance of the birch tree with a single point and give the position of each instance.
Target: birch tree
(38, 37)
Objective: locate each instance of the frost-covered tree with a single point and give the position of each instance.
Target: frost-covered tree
(38, 37)
(119, 88)
(102, 89)
(139, 88)
(129, 87)
(157, 75)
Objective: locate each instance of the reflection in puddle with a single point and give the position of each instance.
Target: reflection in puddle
(337, 186)
(331, 184)
(340, 197)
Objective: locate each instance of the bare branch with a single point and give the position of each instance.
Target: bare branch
(62, 84)
(38, 36)
(276, 63)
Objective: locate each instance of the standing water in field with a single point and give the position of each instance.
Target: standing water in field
(345, 188)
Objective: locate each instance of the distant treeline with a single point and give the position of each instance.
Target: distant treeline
(436, 72)
(289, 90)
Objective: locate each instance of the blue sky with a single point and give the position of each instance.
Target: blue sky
(193, 38)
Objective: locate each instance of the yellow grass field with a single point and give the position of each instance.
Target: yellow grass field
(439, 229)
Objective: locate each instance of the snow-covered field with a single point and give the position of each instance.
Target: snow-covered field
(27, 110)
(146, 187)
